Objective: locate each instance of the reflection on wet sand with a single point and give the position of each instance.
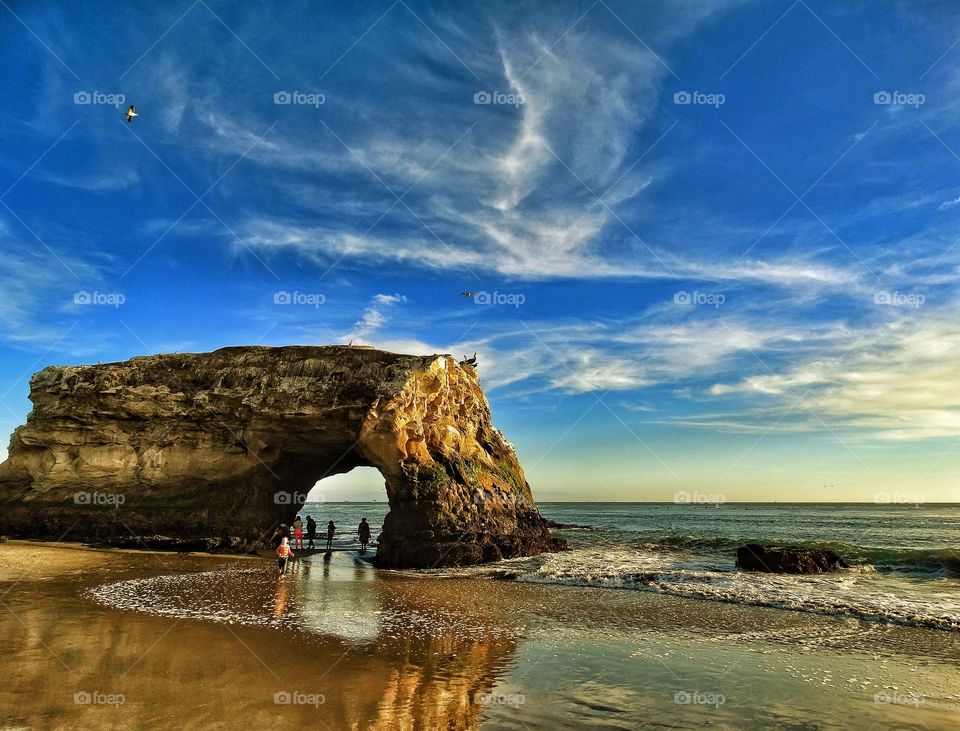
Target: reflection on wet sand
(280, 603)
(341, 651)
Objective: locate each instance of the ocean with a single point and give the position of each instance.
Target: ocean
(905, 559)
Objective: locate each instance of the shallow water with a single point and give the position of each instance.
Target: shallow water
(197, 642)
(906, 558)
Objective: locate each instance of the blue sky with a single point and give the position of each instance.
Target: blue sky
(715, 243)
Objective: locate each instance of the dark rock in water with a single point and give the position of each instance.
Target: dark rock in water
(555, 524)
(950, 564)
(231, 545)
(194, 446)
(788, 560)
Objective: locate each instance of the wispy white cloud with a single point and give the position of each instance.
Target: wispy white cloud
(38, 285)
(516, 195)
(106, 181)
(895, 381)
(947, 204)
(514, 257)
(374, 317)
(585, 356)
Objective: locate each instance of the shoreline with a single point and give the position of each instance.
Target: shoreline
(87, 546)
(428, 654)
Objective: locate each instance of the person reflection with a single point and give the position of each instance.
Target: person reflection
(280, 598)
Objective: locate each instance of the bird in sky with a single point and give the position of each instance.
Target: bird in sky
(468, 294)
(131, 113)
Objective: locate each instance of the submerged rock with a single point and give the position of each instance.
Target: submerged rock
(568, 526)
(229, 443)
(788, 560)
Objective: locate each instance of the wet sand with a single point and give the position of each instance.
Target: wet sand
(126, 639)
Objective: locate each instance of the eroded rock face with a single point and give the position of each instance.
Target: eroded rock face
(229, 443)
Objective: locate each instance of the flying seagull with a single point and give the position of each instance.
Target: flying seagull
(468, 294)
(131, 113)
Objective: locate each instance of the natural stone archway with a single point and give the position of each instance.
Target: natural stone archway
(229, 443)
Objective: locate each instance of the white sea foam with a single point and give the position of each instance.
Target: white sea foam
(858, 592)
(301, 601)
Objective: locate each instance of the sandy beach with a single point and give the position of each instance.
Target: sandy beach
(127, 639)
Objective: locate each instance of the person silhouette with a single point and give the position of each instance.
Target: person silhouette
(363, 530)
(331, 528)
(298, 533)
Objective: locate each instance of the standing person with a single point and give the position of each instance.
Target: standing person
(311, 531)
(363, 530)
(330, 531)
(284, 554)
(298, 532)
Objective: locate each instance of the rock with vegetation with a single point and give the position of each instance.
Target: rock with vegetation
(212, 445)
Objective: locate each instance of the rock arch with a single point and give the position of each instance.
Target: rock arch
(229, 443)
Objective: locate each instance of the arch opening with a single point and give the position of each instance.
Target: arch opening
(346, 498)
(362, 484)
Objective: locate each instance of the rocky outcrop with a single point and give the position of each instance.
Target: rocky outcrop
(229, 443)
(788, 560)
(229, 545)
